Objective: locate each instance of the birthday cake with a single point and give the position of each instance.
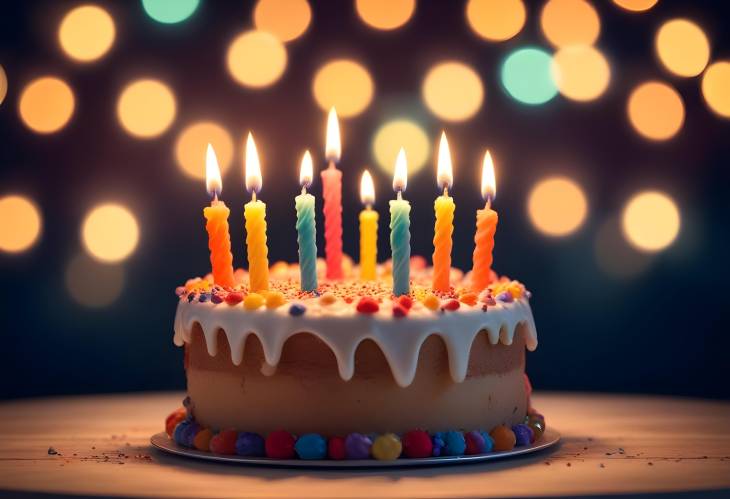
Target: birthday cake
(352, 359)
(323, 359)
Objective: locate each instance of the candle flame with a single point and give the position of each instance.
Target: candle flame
(333, 149)
(367, 189)
(306, 170)
(213, 182)
(253, 167)
(400, 177)
(444, 173)
(489, 183)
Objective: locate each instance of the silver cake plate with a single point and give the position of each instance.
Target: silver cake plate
(166, 444)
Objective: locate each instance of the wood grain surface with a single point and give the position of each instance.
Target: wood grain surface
(611, 445)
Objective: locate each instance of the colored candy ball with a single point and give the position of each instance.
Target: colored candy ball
(202, 440)
(253, 301)
(280, 445)
(250, 445)
(177, 434)
(432, 302)
(417, 443)
(438, 444)
(275, 299)
(173, 419)
(188, 434)
(454, 443)
(451, 305)
(367, 305)
(336, 448)
(538, 428)
(505, 297)
(504, 438)
(523, 434)
(357, 446)
(475, 443)
(311, 446)
(297, 309)
(224, 443)
(399, 311)
(234, 298)
(387, 447)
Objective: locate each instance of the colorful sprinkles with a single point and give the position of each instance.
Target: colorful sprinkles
(365, 297)
(414, 444)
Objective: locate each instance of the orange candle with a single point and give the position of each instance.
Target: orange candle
(216, 215)
(486, 228)
(444, 228)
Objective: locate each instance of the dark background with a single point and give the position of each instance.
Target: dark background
(664, 330)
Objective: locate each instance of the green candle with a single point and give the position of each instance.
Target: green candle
(400, 233)
(306, 228)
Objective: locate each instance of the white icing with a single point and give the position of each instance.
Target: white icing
(342, 330)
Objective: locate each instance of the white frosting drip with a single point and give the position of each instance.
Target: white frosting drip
(399, 339)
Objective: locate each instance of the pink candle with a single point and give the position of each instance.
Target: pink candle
(332, 194)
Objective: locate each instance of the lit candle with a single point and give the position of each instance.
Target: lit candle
(368, 229)
(400, 234)
(255, 214)
(306, 228)
(216, 216)
(444, 208)
(486, 227)
(332, 195)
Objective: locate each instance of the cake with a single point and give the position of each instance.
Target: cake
(352, 371)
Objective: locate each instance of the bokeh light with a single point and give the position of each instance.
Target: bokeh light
(570, 22)
(656, 110)
(453, 91)
(86, 33)
(46, 104)
(286, 19)
(650, 221)
(614, 255)
(93, 284)
(581, 72)
(557, 206)
(682, 47)
(146, 108)
(527, 75)
(393, 135)
(385, 14)
(344, 84)
(170, 11)
(110, 232)
(20, 223)
(636, 5)
(3, 84)
(716, 88)
(256, 59)
(496, 20)
(192, 143)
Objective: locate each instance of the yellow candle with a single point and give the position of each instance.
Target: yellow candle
(216, 216)
(444, 207)
(368, 229)
(255, 214)
(481, 274)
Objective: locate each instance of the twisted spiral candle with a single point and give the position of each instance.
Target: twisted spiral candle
(442, 242)
(219, 243)
(332, 195)
(484, 239)
(258, 261)
(306, 232)
(400, 245)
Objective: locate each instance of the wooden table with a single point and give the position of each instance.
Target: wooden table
(611, 445)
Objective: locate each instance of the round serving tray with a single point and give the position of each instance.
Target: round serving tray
(166, 444)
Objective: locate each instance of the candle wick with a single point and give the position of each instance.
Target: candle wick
(304, 189)
(400, 195)
(331, 164)
(369, 206)
(488, 204)
(215, 198)
(253, 196)
(446, 191)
